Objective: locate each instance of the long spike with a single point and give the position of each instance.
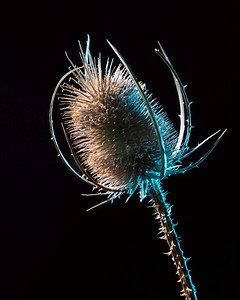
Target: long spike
(181, 104)
(196, 164)
(93, 195)
(106, 201)
(60, 154)
(99, 204)
(51, 124)
(200, 144)
(87, 68)
(185, 98)
(150, 111)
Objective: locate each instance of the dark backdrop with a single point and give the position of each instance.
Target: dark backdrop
(51, 248)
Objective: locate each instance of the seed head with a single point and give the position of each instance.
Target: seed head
(119, 135)
(110, 127)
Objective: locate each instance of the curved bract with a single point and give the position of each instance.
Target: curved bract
(119, 137)
(151, 114)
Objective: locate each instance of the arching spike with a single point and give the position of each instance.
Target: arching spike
(53, 132)
(197, 163)
(115, 195)
(199, 145)
(99, 204)
(88, 179)
(183, 102)
(150, 111)
(97, 194)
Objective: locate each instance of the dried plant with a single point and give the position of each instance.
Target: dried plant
(122, 141)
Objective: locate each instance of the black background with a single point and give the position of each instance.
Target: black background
(51, 248)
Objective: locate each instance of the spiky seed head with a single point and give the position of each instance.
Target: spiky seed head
(110, 127)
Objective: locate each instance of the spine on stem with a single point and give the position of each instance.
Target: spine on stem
(163, 213)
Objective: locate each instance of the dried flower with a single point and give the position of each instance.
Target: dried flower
(120, 135)
(111, 129)
(122, 140)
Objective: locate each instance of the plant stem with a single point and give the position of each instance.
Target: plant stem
(163, 213)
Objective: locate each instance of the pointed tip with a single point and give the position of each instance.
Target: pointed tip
(99, 204)
(89, 208)
(221, 135)
(197, 163)
(114, 49)
(161, 47)
(224, 131)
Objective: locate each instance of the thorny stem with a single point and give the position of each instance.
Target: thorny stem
(163, 213)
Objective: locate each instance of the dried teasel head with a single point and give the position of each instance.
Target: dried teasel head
(119, 135)
(122, 140)
(110, 127)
